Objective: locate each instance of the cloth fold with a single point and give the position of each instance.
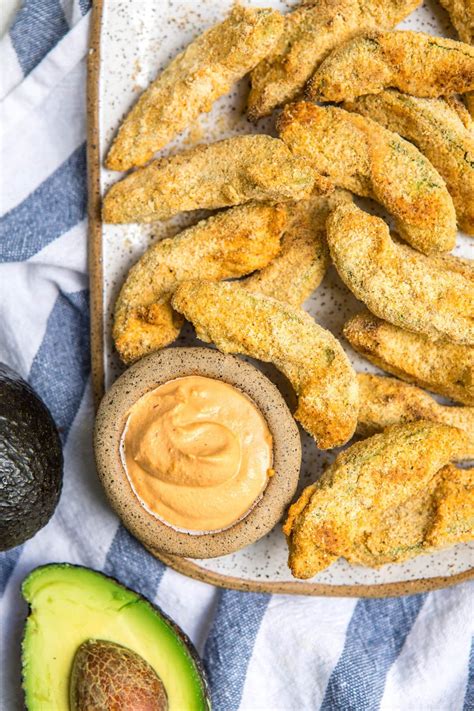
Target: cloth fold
(262, 652)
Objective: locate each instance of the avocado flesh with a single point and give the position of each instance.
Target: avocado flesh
(69, 605)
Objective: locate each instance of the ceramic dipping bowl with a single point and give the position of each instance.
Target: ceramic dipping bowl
(157, 369)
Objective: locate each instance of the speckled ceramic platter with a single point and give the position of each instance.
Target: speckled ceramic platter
(130, 43)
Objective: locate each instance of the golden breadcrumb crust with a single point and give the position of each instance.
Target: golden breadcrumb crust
(461, 13)
(310, 32)
(452, 518)
(360, 155)
(229, 172)
(303, 260)
(459, 106)
(413, 62)
(388, 401)
(439, 131)
(190, 84)
(238, 321)
(229, 244)
(397, 283)
(459, 265)
(344, 512)
(444, 368)
(437, 516)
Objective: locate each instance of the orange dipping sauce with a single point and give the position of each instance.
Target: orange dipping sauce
(197, 452)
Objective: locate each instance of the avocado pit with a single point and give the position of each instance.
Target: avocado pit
(106, 676)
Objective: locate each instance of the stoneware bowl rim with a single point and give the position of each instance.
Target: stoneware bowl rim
(149, 373)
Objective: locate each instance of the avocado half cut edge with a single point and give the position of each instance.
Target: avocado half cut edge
(70, 605)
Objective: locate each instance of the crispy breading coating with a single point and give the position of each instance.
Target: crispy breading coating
(362, 156)
(461, 13)
(413, 62)
(459, 265)
(440, 515)
(238, 321)
(458, 105)
(444, 368)
(388, 401)
(397, 283)
(190, 84)
(304, 257)
(447, 261)
(229, 172)
(229, 244)
(367, 481)
(311, 31)
(439, 133)
(453, 518)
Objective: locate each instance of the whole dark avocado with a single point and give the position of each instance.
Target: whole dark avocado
(31, 461)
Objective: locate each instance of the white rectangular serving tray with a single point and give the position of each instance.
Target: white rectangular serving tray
(131, 41)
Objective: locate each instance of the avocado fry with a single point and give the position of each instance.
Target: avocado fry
(338, 515)
(457, 104)
(190, 84)
(413, 62)
(458, 265)
(461, 14)
(444, 368)
(453, 519)
(303, 260)
(229, 244)
(388, 401)
(362, 156)
(229, 172)
(397, 283)
(437, 516)
(310, 32)
(437, 130)
(238, 321)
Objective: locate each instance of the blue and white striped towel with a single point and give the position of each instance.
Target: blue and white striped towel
(271, 653)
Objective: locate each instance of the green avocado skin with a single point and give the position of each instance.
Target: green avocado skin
(31, 461)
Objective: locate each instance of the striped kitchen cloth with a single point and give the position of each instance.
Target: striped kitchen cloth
(262, 652)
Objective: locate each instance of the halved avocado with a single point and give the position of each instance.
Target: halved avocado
(69, 605)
